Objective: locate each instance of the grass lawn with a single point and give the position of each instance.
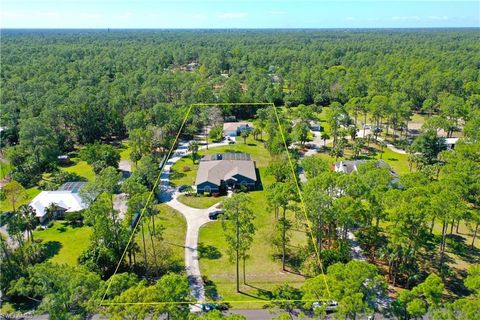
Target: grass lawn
(30, 194)
(183, 172)
(263, 272)
(125, 150)
(398, 161)
(81, 168)
(199, 202)
(65, 243)
(5, 169)
(175, 228)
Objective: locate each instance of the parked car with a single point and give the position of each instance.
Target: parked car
(184, 188)
(215, 214)
(330, 306)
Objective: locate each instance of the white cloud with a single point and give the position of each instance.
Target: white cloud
(231, 15)
(438, 18)
(406, 18)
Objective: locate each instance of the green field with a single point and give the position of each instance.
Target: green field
(81, 168)
(65, 243)
(30, 194)
(200, 202)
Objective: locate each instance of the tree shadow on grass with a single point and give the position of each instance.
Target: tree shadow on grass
(176, 175)
(208, 252)
(52, 248)
(456, 244)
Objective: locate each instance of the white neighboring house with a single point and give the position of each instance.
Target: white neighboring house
(65, 199)
(451, 142)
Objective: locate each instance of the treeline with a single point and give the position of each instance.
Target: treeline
(62, 89)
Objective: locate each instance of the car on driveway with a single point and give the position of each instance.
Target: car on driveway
(184, 188)
(215, 214)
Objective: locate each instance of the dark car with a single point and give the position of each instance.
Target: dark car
(215, 214)
(184, 188)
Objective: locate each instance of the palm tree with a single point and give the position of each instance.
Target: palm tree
(30, 220)
(256, 132)
(50, 211)
(382, 146)
(245, 134)
(193, 147)
(325, 137)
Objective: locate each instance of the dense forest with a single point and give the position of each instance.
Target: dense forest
(85, 92)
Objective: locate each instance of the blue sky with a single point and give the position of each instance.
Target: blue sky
(237, 14)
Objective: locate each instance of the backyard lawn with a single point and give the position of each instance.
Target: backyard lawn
(81, 168)
(65, 243)
(200, 202)
(30, 194)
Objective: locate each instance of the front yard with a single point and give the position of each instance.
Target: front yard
(199, 202)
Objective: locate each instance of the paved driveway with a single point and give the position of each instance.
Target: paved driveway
(195, 219)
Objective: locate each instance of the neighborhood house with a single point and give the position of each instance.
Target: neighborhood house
(222, 171)
(349, 166)
(65, 199)
(233, 129)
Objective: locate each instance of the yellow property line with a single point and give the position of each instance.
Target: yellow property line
(156, 184)
(147, 202)
(215, 302)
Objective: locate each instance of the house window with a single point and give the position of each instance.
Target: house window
(207, 189)
(243, 183)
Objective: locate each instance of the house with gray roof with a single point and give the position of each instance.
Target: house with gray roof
(222, 171)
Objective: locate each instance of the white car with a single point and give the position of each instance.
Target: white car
(330, 305)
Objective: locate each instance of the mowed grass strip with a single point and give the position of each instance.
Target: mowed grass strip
(200, 202)
(65, 243)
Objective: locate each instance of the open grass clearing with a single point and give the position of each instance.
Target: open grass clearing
(81, 168)
(200, 202)
(64, 242)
